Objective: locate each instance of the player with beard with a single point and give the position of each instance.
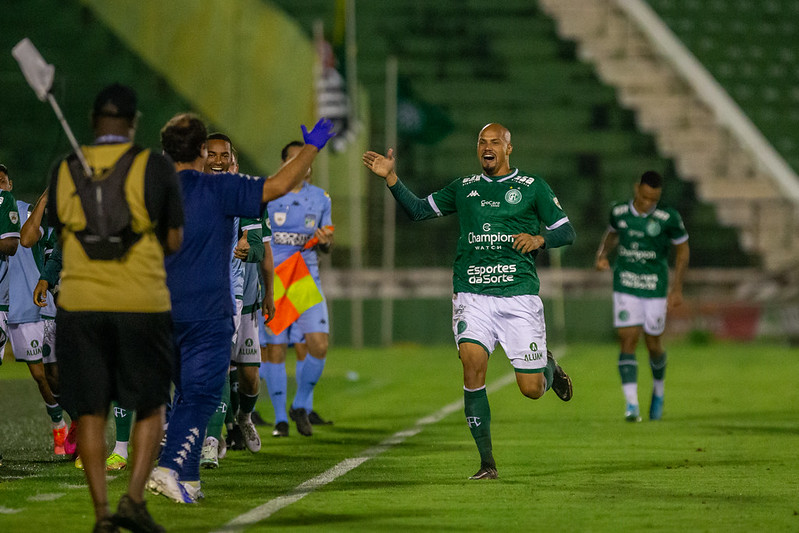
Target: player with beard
(506, 218)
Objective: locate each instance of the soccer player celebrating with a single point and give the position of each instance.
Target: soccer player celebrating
(501, 213)
(644, 233)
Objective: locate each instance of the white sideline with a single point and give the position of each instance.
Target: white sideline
(303, 489)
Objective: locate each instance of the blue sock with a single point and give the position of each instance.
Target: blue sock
(311, 372)
(298, 375)
(262, 371)
(275, 376)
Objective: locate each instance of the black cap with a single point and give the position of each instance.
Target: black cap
(115, 101)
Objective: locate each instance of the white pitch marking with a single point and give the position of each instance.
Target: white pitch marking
(45, 497)
(6, 510)
(266, 510)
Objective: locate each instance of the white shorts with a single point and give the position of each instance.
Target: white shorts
(516, 322)
(247, 349)
(629, 310)
(27, 341)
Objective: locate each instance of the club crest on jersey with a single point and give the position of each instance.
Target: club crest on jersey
(310, 221)
(652, 228)
(280, 218)
(14, 217)
(557, 203)
(513, 196)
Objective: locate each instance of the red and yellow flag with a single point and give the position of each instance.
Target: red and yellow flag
(295, 290)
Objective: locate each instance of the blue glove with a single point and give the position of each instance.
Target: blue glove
(320, 134)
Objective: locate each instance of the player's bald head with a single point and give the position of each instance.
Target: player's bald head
(496, 130)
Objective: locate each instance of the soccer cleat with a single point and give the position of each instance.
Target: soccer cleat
(71, 442)
(257, 419)
(235, 439)
(164, 481)
(134, 516)
(300, 417)
(59, 437)
(78, 463)
(281, 429)
(251, 438)
(106, 525)
(116, 462)
(316, 420)
(632, 413)
(561, 382)
(222, 449)
(194, 488)
(209, 457)
(486, 472)
(656, 407)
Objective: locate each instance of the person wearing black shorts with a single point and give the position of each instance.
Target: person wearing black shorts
(113, 325)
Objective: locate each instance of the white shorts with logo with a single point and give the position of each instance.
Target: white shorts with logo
(515, 322)
(27, 341)
(247, 348)
(629, 310)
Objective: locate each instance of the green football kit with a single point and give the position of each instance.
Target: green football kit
(641, 267)
(491, 210)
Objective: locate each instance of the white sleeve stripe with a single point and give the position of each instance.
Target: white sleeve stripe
(558, 224)
(10, 234)
(680, 240)
(434, 206)
(267, 238)
(251, 226)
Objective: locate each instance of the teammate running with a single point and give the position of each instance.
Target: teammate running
(501, 213)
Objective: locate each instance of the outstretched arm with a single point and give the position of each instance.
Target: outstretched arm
(383, 166)
(294, 171)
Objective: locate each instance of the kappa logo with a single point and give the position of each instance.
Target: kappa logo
(472, 194)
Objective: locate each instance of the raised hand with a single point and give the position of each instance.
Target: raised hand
(379, 164)
(320, 134)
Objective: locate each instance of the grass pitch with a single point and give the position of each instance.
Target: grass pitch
(722, 459)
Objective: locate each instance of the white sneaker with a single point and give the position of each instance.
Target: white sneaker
(222, 451)
(251, 437)
(165, 481)
(194, 488)
(209, 457)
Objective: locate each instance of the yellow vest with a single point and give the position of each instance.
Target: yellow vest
(137, 282)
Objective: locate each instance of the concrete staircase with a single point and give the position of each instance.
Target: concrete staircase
(746, 194)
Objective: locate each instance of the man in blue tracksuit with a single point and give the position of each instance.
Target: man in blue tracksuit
(198, 277)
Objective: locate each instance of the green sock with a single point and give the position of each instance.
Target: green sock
(549, 371)
(628, 368)
(658, 367)
(123, 419)
(247, 402)
(234, 391)
(216, 422)
(478, 417)
(56, 413)
(228, 418)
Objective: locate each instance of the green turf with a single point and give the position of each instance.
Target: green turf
(722, 459)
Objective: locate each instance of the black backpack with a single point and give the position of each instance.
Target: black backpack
(108, 234)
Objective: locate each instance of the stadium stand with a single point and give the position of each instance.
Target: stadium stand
(689, 111)
(511, 66)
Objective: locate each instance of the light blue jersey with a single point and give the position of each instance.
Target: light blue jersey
(25, 267)
(294, 218)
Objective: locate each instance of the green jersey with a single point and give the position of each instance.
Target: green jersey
(490, 210)
(642, 267)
